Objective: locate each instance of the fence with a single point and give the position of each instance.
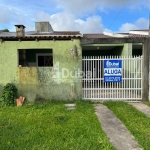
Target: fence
(94, 87)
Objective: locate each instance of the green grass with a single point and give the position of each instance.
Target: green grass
(147, 103)
(49, 126)
(136, 122)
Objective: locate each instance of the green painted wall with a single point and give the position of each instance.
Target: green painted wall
(43, 82)
(132, 66)
(127, 49)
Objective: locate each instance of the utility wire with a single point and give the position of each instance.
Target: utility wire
(117, 15)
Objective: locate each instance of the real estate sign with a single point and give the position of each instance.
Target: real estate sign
(112, 70)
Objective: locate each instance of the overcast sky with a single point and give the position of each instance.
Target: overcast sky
(86, 16)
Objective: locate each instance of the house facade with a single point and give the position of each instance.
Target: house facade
(47, 64)
(40, 62)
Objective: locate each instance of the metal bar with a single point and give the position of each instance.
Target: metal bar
(91, 75)
(134, 68)
(83, 92)
(93, 68)
(114, 88)
(83, 76)
(105, 84)
(110, 92)
(95, 76)
(86, 85)
(99, 78)
(136, 93)
(96, 88)
(124, 76)
(141, 76)
(129, 75)
(113, 99)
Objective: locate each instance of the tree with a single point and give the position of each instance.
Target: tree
(4, 30)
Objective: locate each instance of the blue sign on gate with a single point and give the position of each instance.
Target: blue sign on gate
(112, 70)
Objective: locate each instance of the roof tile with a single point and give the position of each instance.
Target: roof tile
(96, 36)
(59, 33)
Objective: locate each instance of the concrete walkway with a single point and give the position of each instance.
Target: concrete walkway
(117, 133)
(142, 107)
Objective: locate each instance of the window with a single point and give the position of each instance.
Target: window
(44, 60)
(35, 57)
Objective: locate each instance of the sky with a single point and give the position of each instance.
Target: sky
(86, 16)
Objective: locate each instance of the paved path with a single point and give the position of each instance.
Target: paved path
(117, 133)
(142, 107)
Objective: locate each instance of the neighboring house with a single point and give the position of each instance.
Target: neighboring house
(117, 49)
(47, 64)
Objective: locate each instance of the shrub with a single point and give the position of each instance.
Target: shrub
(9, 94)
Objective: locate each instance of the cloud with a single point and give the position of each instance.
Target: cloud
(22, 12)
(10, 17)
(90, 25)
(5, 15)
(64, 21)
(90, 6)
(82, 15)
(141, 23)
(145, 3)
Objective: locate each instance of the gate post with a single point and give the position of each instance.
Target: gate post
(145, 70)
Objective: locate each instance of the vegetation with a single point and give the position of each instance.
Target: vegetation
(136, 122)
(4, 30)
(51, 126)
(9, 93)
(147, 103)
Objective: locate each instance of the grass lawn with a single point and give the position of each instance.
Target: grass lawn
(49, 126)
(136, 122)
(147, 103)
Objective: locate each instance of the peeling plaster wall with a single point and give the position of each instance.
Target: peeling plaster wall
(43, 82)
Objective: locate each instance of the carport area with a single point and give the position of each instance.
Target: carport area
(127, 49)
(93, 84)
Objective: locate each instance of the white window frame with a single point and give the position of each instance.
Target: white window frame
(42, 54)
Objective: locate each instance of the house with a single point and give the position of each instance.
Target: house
(132, 50)
(48, 64)
(34, 61)
(117, 48)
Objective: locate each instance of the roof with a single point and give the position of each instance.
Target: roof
(132, 34)
(135, 35)
(75, 34)
(34, 34)
(58, 33)
(117, 35)
(138, 35)
(96, 36)
(5, 34)
(144, 30)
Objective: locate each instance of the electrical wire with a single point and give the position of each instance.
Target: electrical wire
(117, 15)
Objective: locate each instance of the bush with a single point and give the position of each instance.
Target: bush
(9, 94)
